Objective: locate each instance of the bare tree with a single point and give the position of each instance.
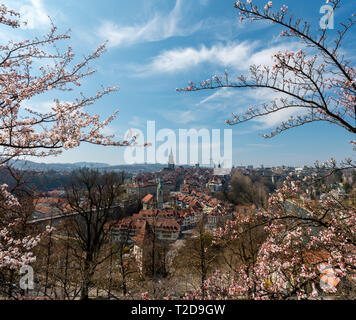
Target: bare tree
(92, 197)
(197, 255)
(121, 265)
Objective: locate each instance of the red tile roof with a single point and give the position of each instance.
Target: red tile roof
(147, 198)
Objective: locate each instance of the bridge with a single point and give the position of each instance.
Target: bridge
(54, 220)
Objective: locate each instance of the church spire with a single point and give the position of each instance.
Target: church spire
(171, 160)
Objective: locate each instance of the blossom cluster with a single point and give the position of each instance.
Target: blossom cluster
(301, 240)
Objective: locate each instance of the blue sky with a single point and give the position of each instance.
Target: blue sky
(156, 46)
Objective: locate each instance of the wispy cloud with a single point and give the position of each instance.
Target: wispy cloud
(221, 94)
(137, 122)
(238, 101)
(274, 119)
(181, 117)
(235, 56)
(184, 58)
(186, 117)
(40, 106)
(33, 12)
(256, 97)
(158, 28)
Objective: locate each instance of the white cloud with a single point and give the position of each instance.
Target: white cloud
(40, 106)
(137, 122)
(182, 117)
(233, 55)
(32, 11)
(160, 27)
(274, 119)
(236, 56)
(35, 14)
(238, 100)
(220, 94)
(271, 120)
(185, 117)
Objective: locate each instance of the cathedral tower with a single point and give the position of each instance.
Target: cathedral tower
(171, 161)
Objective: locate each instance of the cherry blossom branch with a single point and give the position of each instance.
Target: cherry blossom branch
(26, 132)
(322, 86)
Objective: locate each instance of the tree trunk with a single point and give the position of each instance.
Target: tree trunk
(86, 279)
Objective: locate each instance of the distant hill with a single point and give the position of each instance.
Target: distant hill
(41, 166)
(135, 168)
(36, 166)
